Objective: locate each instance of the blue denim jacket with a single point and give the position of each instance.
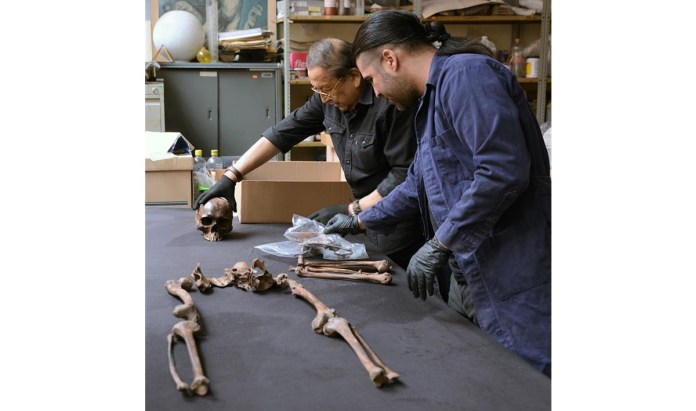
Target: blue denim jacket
(482, 170)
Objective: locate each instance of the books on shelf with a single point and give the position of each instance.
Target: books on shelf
(251, 39)
(250, 34)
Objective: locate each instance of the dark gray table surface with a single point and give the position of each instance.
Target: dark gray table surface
(260, 352)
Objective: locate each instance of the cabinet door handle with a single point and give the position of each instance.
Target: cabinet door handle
(268, 112)
(210, 114)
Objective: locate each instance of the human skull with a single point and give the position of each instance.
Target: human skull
(214, 219)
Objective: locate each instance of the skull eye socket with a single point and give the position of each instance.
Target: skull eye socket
(224, 222)
(207, 220)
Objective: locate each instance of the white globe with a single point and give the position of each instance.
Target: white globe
(181, 33)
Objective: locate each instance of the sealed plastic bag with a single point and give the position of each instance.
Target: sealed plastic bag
(306, 237)
(203, 179)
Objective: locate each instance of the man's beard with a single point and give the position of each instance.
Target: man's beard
(402, 92)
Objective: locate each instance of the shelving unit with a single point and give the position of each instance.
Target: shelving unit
(517, 26)
(309, 151)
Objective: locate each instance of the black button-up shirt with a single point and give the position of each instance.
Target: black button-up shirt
(374, 142)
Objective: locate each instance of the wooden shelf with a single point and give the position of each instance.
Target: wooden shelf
(525, 80)
(484, 19)
(308, 151)
(444, 19)
(325, 19)
(303, 144)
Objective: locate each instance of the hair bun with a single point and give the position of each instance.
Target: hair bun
(435, 31)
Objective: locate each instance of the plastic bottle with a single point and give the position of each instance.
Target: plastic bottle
(213, 163)
(517, 61)
(488, 43)
(359, 7)
(198, 160)
(330, 7)
(199, 173)
(344, 8)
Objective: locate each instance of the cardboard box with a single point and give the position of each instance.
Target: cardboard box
(325, 138)
(278, 189)
(168, 167)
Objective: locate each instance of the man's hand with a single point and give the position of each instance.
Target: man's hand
(343, 224)
(324, 215)
(224, 187)
(423, 267)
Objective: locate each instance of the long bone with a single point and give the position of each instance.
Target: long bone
(185, 330)
(335, 270)
(342, 327)
(323, 311)
(328, 273)
(180, 385)
(380, 266)
(179, 288)
(327, 322)
(391, 375)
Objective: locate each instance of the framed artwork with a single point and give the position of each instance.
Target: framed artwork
(232, 14)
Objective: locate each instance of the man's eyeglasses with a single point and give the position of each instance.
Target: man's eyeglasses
(327, 95)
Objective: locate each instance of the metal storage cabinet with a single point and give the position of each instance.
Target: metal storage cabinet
(154, 106)
(224, 106)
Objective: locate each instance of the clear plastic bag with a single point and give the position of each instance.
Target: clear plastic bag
(306, 237)
(203, 178)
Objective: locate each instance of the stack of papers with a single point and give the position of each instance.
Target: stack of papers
(245, 39)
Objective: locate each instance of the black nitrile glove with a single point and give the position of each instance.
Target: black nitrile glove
(343, 224)
(324, 215)
(224, 187)
(423, 267)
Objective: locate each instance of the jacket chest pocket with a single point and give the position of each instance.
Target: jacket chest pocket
(364, 151)
(445, 149)
(333, 127)
(337, 131)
